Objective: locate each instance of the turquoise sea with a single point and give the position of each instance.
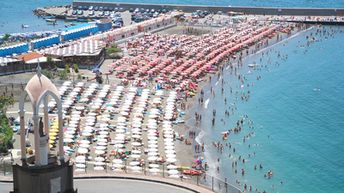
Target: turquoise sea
(296, 109)
(17, 12)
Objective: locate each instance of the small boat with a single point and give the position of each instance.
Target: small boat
(71, 18)
(25, 26)
(252, 65)
(50, 20)
(192, 172)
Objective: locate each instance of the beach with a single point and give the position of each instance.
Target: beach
(255, 104)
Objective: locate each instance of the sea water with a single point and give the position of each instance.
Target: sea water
(15, 13)
(297, 113)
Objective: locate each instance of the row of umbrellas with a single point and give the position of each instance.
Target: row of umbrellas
(80, 47)
(154, 55)
(92, 112)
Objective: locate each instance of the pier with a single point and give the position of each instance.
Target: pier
(224, 9)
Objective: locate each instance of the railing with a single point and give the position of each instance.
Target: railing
(205, 180)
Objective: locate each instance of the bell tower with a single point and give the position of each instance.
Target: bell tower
(41, 171)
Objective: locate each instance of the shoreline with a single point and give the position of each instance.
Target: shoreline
(190, 123)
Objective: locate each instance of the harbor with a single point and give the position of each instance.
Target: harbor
(66, 11)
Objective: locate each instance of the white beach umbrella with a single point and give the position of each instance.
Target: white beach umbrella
(153, 153)
(172, 172)
(100, 143)
(170, 151)
(154, 165)
(136, 151)
(152, 158)
(152, 137)
(68, 140)
(119, 166)
(99, 152)
(135, 168)
(136, 136)
(152, 141)
(171, 167)
(99, 168)
(84, 145)
(82, 150)
(99, 163)
(102, 140)
(136, 144)
(134, 163)
(117, 161)
(118, 145)
(135, 156)
(100, 147)
(80, 158)
(171, 160)
(80, 165)
(99, 159)
(154, 170)
(169, 147)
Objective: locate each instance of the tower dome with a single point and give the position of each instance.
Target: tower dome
(37, 85)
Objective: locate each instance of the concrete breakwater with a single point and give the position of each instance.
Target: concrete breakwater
(225, 9)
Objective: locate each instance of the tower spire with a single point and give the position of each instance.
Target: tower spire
(39, 69)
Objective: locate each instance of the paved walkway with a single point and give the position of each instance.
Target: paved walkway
(107, 182)
(115, 185)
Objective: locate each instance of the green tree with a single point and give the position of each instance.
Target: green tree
(113, 49)
(50, 62)
(5, 101)
(76, 68)
(63, 74)
(6, 132)
(48, 74)
(67, 68)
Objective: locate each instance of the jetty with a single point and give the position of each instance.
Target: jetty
(215, 9)
(90, 11)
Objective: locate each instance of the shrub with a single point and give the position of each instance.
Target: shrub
(6, 132)
(63, 74)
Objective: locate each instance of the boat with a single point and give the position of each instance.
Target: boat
(252, 65)
(25, 26)
(192, 172)
(71, 18)
(52, 20)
